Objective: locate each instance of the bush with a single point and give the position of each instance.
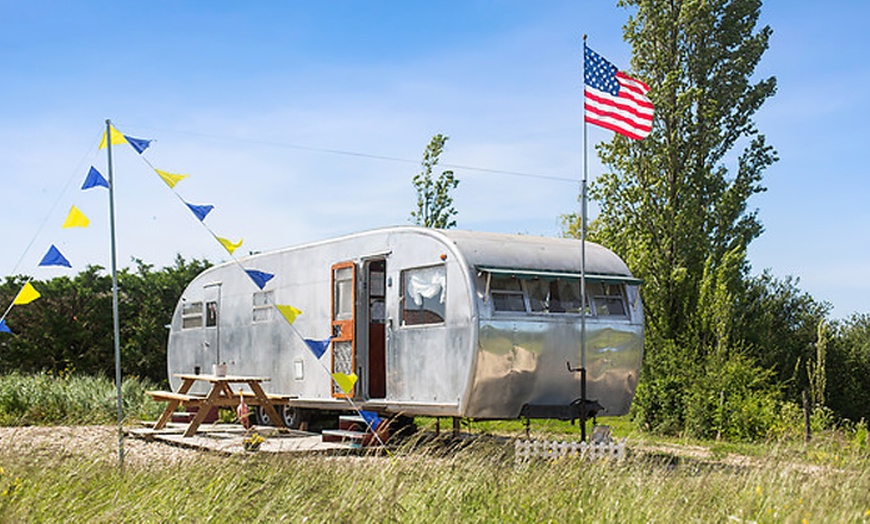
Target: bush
(732, 400)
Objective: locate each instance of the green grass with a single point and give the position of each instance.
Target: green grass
(69, 398)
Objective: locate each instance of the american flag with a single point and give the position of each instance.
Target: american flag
(614, 100)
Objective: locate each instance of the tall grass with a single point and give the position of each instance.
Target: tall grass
(69, 398)
(480, 482)
(433, 480)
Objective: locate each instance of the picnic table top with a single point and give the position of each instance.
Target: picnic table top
(221, 378)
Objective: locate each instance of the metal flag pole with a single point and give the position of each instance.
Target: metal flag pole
(115, 318)
(583, 263)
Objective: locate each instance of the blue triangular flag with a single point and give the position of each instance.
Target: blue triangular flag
(94, 179)
(200, 211)
(139, 144)
(3, 327)
(259, 277)
(372, 419)
(318, 347)
(54, 258)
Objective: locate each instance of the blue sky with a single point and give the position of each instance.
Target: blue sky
(304, 120)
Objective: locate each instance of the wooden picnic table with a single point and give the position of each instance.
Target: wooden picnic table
(221, 395)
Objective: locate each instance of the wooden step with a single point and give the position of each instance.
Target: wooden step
(343, 435)
(352, 422)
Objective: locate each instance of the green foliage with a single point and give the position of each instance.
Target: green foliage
(434, 202)
(733, 400)
(848, 368)
(147, 304)
(780, 329)
(70, 326)
(71, 398)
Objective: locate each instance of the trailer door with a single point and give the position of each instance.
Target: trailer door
(343, 306)
(211, 326)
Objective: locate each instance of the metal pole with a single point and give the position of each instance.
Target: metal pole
(115, 318)
(583, 262)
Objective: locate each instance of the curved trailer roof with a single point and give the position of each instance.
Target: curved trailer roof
(539, 256)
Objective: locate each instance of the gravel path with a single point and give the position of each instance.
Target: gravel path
(99, 443)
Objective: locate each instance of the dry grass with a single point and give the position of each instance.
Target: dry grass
(476, 480)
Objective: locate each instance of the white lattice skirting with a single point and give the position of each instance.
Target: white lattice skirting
(529, 449)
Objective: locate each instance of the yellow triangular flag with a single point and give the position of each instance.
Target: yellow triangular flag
(290, 313)
(170, 178)
(76, 218)
(27, 295)
(229, 245)
(117, 137)
(345, 382)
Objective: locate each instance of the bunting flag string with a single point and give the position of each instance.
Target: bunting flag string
(229, 245)
(115, 136)
(76, 218)
(288, 312)
(27, 295)
(171, 179)
(201, 211)
(54, 258)
(371, 418)
(345, 382)
(139, 144)
(318, 347)
(259, 277)
(95, 179)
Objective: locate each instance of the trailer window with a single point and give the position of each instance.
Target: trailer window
(423, 295)
(609, 299)
(507, 294)
(342, 302)
(263, 301)
(544, 296)
(541, 295)
(191, 315)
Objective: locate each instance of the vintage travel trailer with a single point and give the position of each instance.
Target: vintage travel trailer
(442, 323)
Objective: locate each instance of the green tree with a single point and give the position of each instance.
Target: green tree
(674, 205)
(848, 368)
(148, 300)
(70, 325)
(434, 202)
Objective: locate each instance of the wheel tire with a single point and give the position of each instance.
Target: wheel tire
(292, 416)
(262, 417)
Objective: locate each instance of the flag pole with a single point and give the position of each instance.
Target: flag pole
(583, 263)
(115, 317)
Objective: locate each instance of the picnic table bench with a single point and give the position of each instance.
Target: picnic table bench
(220, 395)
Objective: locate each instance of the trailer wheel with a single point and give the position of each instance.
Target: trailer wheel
(293, 417)
(262, 417)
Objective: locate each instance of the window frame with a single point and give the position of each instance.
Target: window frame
(603, 287)
(442, 297)
(188, 315)
(262, 304)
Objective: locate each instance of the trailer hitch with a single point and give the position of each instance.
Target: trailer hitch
(582, 372)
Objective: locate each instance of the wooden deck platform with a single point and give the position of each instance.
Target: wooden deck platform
(227, 438)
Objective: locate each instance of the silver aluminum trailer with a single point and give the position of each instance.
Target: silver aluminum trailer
(434, 322)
